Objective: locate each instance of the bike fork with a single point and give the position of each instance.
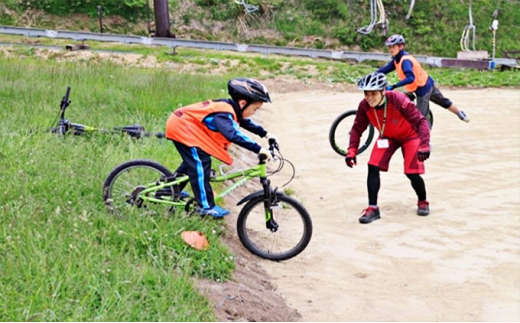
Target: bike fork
(270, 223)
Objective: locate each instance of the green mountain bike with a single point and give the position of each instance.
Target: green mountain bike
(339, 133)
(64, 126)
(271, 224)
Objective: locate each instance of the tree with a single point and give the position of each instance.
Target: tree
(162, 19)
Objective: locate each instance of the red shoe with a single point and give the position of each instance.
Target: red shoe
(423, 208)
(370, 214)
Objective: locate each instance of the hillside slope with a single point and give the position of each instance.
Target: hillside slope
(435, 26)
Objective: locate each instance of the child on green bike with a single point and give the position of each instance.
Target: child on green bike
(205, 129)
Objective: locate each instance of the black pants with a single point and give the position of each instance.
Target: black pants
(374, 183)
(197, 165)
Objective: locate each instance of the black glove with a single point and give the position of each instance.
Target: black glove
(423, 153)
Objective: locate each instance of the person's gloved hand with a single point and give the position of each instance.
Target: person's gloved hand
(264, 152)
(272, 140)
(423, 153)
(350, 159)
(389, 87)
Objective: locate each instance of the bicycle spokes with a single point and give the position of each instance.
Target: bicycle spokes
(278, 233)
(126, 189)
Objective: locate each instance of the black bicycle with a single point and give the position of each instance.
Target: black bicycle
(339, 133)
(64, 126)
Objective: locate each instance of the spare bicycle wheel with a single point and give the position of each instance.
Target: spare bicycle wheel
(339, 134)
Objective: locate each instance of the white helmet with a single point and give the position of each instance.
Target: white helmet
(395, 40)
(373, 82)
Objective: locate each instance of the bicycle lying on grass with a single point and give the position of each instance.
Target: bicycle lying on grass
(271, 224)
(64, 126)
(339, 133)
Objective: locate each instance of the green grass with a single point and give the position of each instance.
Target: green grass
(63, 256)
(252, 64)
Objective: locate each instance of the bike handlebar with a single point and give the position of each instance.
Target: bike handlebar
(272, 146)
(65, 101)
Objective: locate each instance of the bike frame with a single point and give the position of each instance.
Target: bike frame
(64, 126)
(248, 174)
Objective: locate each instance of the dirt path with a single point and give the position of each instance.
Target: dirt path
(461, 263)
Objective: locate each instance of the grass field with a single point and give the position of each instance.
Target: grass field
(62, 256)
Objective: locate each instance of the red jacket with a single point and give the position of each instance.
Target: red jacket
(403, 120)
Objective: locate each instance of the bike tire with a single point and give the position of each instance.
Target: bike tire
(247, 235)
(131, 184)
(334, 135)
(430, 118)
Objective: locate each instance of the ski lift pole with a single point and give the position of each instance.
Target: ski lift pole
(472, 27)
(464, 40)
(412, 4)
(100, 16)
(375, 6)
(148, 16)
(494, 27)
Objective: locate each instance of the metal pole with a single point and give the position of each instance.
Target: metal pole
(148, 15)
(100, 16)
(494, 27)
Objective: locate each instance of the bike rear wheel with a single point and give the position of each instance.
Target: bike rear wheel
(293, 233)
(339, 134)
(123, 184)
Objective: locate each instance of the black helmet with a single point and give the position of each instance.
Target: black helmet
(373, 82)
(248, 89)
(395, 40)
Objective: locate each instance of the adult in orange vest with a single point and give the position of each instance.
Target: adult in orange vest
(415, 79)
(205, 129)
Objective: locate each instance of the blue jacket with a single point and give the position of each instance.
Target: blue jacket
(408, 71)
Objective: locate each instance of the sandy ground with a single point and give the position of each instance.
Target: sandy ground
(461, 263)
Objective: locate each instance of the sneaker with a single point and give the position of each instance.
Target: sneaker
(216, 212)
(423, 208)
(184, 194)
(370, 214)
(463, 116)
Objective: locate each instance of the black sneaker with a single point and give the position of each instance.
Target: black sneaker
(370, 214)
(423, 208)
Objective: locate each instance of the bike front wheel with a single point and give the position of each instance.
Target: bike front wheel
(339, 134)
(124, 183)
(284, 236)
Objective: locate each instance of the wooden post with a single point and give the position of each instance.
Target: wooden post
(162, 19)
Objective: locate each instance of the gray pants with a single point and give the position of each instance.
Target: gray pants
(423, 103)
(434, 95)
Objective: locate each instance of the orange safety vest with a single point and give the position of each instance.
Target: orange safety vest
(186, 126)
(421, 77)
